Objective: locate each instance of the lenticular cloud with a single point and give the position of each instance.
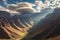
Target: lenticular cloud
(36, 7)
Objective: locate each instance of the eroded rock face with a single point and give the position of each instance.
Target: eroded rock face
(13, 26)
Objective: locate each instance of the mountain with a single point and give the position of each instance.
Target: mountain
(49, 27)
(14, 23)
(17, 21)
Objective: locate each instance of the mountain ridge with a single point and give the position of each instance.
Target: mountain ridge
(48, 27)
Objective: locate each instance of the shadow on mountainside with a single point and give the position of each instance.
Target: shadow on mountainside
(49, 27)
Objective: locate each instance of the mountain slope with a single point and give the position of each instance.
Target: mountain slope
(47, 27)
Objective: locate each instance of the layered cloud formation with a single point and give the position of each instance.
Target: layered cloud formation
(23, 6)
(37, 7)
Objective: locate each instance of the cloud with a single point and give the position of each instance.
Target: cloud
(19, 7)
(48, 4)
(22, 6)
(7, 10)
(2, 8)
(5, 2)
(39, 5)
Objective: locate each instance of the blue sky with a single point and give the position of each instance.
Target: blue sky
(15, 1)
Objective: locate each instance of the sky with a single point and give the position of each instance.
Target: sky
(15, 1)
(39, 4)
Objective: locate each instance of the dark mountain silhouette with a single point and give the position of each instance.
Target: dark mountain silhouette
(49, 27)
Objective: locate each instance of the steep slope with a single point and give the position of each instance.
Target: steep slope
(13, 25)
(47, 27)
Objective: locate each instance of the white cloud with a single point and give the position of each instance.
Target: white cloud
(7, 10)
(26, 6)
(5, 1)
(48, 4)
(22, 6)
